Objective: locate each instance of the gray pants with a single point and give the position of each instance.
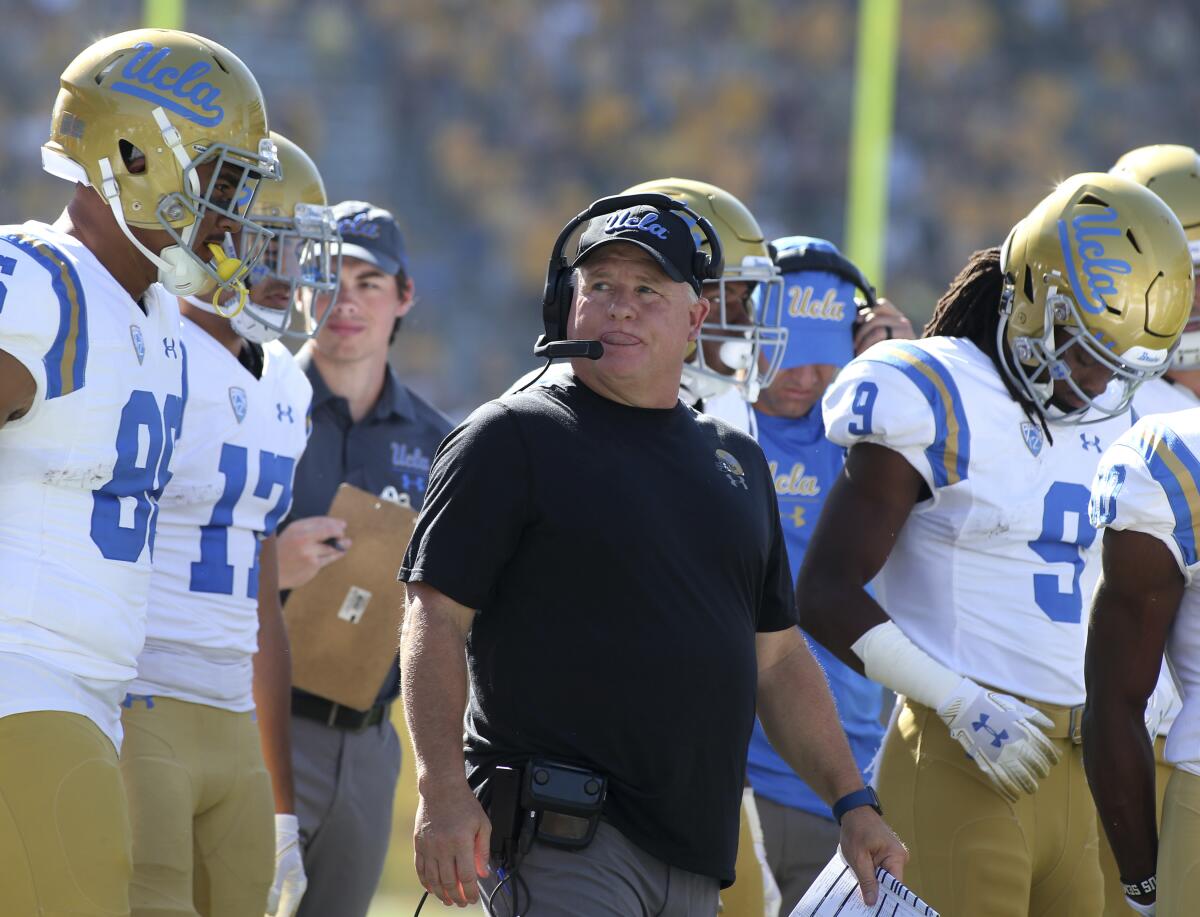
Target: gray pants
(345, 784)
(799, 844)
(611, 877)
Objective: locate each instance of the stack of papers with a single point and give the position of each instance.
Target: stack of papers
(836, 894)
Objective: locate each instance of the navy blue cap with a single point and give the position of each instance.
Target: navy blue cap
(370, 234)
(662, 234)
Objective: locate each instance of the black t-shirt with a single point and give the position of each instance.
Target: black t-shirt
(622, 560)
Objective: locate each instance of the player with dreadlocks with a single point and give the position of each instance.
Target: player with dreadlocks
(972, 522)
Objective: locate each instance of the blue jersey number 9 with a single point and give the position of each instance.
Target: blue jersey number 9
(1062, 498)
(863, 406)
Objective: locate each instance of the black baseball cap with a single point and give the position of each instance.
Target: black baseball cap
(370, 234)
(662, 234)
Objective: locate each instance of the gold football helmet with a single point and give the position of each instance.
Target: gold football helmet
(1105, 263)
(737, 346)
(303, 255)
(182, 102)
(1173, 173)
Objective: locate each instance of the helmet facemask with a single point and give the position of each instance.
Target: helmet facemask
(1035, 363)
(752, 344)
(304, 255)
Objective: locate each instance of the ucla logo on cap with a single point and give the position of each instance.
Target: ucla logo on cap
(359, 225)
(631, 219)
(146, 76)
(239, 402)
(1085, 238)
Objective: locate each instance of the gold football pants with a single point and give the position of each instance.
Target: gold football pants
(201, 809)
(972, 853)
(1179, 846)
(64, 830)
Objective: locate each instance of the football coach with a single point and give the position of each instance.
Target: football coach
(615, 650)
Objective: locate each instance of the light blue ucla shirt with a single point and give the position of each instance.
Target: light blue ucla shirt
(805, 465)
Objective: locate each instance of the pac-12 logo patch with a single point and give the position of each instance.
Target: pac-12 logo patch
(239, 402)
(729, 466)
(139, 343)
(1032, 435)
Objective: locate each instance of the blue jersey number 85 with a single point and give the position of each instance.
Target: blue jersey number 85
(145, 441)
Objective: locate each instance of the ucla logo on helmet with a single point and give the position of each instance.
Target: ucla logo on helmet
(187, 94)
(1083, 240)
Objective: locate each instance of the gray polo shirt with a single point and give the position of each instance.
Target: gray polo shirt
(391, 446)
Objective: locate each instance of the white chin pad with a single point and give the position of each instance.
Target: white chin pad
(737, 354)
(185, 276)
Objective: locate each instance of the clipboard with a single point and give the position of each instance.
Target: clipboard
(344, 624)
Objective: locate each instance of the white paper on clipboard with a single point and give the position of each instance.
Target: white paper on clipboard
(836, 894)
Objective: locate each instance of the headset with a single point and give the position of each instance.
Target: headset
(794, 260)
(560, 277)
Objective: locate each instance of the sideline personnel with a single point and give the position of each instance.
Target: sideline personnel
(371, 430)
(534, 550)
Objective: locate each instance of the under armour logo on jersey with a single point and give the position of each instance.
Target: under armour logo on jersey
(148, 699)
(170, 349)
(281, 413)
(1090, 442)
(139, 343)
(239, 402)
(1032, 434)
(998, 738)
(798, 519)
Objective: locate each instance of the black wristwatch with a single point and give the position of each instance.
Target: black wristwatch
(864, 797)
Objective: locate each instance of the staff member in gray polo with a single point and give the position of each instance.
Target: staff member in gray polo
(372, 431)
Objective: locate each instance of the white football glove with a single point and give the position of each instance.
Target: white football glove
(1146, 910)
(290, 880)
(1002, 735)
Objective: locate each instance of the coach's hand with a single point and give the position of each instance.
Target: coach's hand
(1002, 735)
(307, 545)
(452, 840)
(290, 880)
(868, 843)
(882, 323)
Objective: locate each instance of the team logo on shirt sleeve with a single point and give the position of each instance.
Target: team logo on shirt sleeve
(729, 466)
(239, 402)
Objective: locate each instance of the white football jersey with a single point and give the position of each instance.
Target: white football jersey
(1149, 481)
(231, 485)
(83, 470)
(991, 575)
(1162, 397)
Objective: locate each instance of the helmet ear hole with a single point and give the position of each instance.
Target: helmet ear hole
(1028, 286)
(1133, 241)
(134, 159)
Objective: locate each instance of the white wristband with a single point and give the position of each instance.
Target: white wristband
(894, 661)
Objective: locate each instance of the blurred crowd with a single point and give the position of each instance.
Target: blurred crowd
(486, 126)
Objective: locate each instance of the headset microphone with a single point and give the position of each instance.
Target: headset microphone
(556, 350)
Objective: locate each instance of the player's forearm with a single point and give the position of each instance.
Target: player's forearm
(835, 611)
(273, 701)
(1119, 760)
(434, 677)
(799, 717)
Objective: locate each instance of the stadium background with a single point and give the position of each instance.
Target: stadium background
(486, 125)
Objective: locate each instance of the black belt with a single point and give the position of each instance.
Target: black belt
(325, 711)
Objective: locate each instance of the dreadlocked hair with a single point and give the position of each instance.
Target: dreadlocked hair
(970, 309)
